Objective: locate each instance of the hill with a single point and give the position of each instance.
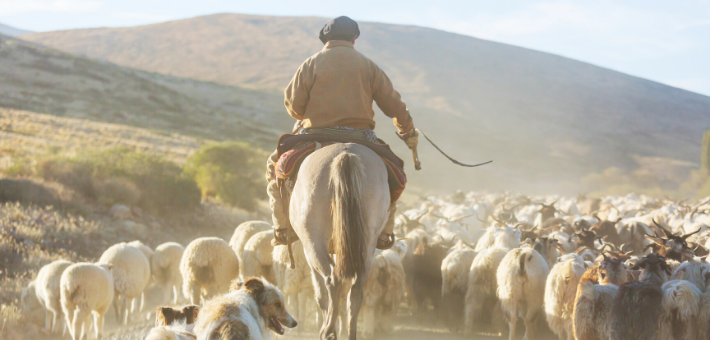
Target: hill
(41, 79)
(11, 31)
(547, 121)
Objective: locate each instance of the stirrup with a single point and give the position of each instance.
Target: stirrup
(384, 245)
(280, 237)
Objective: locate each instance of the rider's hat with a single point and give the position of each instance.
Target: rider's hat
(340, 28)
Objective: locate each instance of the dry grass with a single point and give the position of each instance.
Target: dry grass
(24, 133)
(31, 237)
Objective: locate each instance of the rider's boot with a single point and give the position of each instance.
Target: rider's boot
(386, 238)
(283, 233)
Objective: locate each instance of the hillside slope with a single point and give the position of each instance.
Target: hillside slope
(41, 79)
(546, 120)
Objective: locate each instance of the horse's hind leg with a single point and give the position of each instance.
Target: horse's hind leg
(333, 287)
(320, 291)
(355, 302)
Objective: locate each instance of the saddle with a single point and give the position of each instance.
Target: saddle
(293, 149)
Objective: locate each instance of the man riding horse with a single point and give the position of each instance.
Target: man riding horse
(331, 95)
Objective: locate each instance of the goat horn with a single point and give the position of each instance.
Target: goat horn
(499, 221)
(691, 234)
(478, 218)
(623, 247)
(667, 232)
(695, 210)
(608, 245)
(461, 218)
(657, 240)
(422, 215)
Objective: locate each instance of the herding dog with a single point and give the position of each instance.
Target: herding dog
(174, 324)
(247, 312)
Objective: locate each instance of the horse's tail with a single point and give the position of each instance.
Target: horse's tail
(347, 174)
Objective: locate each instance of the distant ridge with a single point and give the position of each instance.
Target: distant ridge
(546, 120)
(11, 31)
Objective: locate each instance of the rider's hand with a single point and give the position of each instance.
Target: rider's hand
(410, 138)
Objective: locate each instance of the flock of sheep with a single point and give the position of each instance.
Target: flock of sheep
(628, 267)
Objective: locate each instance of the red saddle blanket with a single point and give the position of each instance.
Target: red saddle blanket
(293, 149)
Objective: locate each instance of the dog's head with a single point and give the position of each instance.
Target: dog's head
(272, 305)
(166, 316)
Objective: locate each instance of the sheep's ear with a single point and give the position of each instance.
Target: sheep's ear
(235, 285)
(191, 313)
(254, 286)
(164, 316)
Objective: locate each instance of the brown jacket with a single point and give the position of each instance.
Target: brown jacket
(336, 87)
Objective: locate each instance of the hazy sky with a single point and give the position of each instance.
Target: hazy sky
(663, 40)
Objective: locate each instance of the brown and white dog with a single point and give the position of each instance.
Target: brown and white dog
(174, 324)
(247, 312)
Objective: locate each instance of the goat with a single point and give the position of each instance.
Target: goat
(671, 246)
(680, 310)
(595, 294)
(454, 272)
(426, 275)
(636, 308)
(521, 288)
(560, 292)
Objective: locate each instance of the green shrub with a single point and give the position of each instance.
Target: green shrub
(117, 190)
(74, 173)
(232, 172)
(20, 167)
(122, 176)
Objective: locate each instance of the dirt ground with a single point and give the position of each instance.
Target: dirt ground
(406, 327)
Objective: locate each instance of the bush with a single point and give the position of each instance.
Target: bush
(232, 172)
(117, 190)
(123, 176)
(73, 173)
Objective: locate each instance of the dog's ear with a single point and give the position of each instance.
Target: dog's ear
(190, 313)
(254, 287)
(164, 316)
(235, 285)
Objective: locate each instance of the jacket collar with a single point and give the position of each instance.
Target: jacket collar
(338, 43)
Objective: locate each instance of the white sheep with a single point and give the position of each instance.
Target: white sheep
(207, 267)
(49, 294)
(165, 266)
(454, 274)
(148, 253)
(295, 284)
(86, 288)
(32, 308)
(383, 291)
(131, 273)
(680, 309)
(560, 292)
(482, 281)
(257, 260)
(241, 236)
(521, 280)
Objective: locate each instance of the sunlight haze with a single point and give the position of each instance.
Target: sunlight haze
(658, 40)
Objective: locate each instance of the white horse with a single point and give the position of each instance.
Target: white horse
(339, 206)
